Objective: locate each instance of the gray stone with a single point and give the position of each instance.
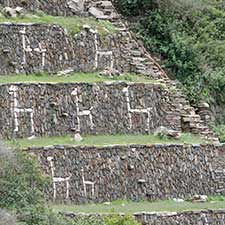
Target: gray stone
(96, 13)
(77, 6)
(77, 137)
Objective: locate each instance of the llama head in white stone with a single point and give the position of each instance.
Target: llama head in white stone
(125, 89)
(13, 88)
(49, 158)
(74, 92)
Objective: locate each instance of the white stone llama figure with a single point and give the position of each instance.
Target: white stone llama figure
(146, 111)
(28, 50)
(82, 113)
(56, 180)
(16, 110)
(86, 183)
(99, 53)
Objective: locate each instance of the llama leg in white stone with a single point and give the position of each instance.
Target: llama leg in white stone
(16, 110)
(54, 190)
(81, 113)
(67, 189)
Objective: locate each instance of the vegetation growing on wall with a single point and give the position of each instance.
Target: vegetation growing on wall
(72, 24)
(188, 37)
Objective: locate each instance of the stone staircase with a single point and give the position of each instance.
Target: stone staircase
(142, 63)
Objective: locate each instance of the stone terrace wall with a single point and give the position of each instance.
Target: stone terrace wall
(203, 217)
(29, 48)
(54, 109)
(134, 172)
(53, 7)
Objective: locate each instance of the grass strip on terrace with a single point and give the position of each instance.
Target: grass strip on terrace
(73, 77)
(129, 207)
(102, 140)
(71, 24)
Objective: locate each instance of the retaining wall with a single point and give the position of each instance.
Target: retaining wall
(52, 7)
(136, 172)
(203, 217)
(106, 108)
(29, 48)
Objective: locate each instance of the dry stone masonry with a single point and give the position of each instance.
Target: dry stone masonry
(83, 174)
(135, 172)
(203, 217)
(29, 48)
(28, 110)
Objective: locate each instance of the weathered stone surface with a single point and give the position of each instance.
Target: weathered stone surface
(95, 12)
(159, 171)
(62, 7)
(77, 6)
(201, 217)
(59, 109)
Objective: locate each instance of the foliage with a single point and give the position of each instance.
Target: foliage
(220, 131)
(188, 37)
(133, 7)
(218, 198)
(120, 220)
(88, 220)
(21, 190)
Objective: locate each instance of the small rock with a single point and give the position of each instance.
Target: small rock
(141, 181)
(178, 200)
(199, 198)
(130, 167)
(13, 12)
(77, 137)
(107, 203)
(108, 72)
(31, 137)
(165, 132)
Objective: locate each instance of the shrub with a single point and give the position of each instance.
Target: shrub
(188, 37)
(21, 186)
(220, 131)
(120, 220)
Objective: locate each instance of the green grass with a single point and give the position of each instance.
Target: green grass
(74, 77)
(71, 24)
(101, 140)
(134, 207)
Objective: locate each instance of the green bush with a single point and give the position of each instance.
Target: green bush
(220, 131)
(21, 189)
(120, 220)
(133, 7)
(188, 37)
(105, 220)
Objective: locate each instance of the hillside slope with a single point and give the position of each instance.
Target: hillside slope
(188, 39)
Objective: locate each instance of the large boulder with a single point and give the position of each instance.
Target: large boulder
(13, 12)
(98, 14)
(76, 6)
(166, 132)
